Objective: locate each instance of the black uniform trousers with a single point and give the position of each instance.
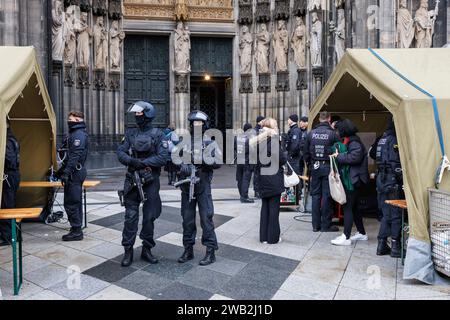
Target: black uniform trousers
(391, 223)
(9, 192)
(256, 174)
(352, 214)
(321, 197)
(151, 210)
(243, 177)
(269, 227)
(202, 197)
(73, 194)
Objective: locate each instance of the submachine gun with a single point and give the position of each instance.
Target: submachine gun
(192, 180)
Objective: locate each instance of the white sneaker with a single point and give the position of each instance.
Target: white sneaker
(341, 241)
(281, 240)
(359, 237)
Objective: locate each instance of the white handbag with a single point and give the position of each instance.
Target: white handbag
(336, 187)
(292, 180)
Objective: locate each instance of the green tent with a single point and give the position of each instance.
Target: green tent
(25, 100)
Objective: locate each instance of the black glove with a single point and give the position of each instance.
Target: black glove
(136, 164)
(185, 170)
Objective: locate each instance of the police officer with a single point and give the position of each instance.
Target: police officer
(11, 180)
(73, 173)
(256, 172)
(293, 143)
(244, 168)
(318, 147)
(202, 193)
(303, 135)
(143, 150)
(389, 187)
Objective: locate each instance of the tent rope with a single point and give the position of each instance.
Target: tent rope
(445, 163)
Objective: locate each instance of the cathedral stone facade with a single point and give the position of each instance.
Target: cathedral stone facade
(234, 59)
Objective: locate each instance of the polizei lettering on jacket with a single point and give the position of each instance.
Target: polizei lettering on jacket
(321, 136)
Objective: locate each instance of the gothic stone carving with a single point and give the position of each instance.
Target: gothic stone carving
(182, 83)
(424, 22)
(116, 38)
(82, 77)
(298, 42)
(99, 7)
(245, 50)
(68, 75)
(282, 81)
(262, 49)
(100, 44)
(69, 36)
(316, 40)
(114, 81)
(264, 82)
(281, 10)
(58, 40)
(405, 26)
(182, 48)
(84, 39)
(85, 5)
(315, 5)
(181, 10)
(302, 80)
(246, 83)
(245, 12)
(115, 9)
(300, 7)
(99, 80)
(263, 11)
(280, 45)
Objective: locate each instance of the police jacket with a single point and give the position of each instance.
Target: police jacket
(270, 185)
(294, 142)
(12, 153)
(148, 145)
(387, 153)
(319, 143)
(304, 135)
(242, 149)
(77, 145)
(356, 158)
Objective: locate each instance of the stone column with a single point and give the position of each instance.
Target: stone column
(448, 21)
(388, 10)
(182, 100)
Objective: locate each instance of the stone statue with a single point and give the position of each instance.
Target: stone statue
(58, 40)
(84, 39)
(424, 24)
(181, 10)
(116, 38)
(100, 44)
(182, 49)
(298, 42)
(262, 49)
(281, 45)
(245, 50)
(314, 5)
(339, 34)
(316, 41)
(405, 26)
(69, 36)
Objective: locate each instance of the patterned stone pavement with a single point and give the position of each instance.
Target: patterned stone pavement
(303, 266)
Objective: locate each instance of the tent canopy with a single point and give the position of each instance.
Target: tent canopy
(25, 100)
(365, 90)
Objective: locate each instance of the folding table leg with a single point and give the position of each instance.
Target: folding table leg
(85, 208)
(14, 254)
(19, 239)
(403, 237)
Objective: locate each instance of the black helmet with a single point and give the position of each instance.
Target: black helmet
(141, 106)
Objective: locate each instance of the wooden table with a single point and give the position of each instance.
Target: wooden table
(16, 216)
(57, 184)
(403, 206)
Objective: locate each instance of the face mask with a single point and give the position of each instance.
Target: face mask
(71, 124)
(141, 120)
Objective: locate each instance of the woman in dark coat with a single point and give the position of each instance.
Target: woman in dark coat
(356, 159)
(271, 184)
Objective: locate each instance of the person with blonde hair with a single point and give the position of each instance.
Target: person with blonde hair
(271, 185)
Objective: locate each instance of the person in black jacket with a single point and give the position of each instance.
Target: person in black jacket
(318, 147)
(11, 180)
(257, 129)
(244, 169)
(356, 159)
(271, 184)
(294, 136)
(73, 173)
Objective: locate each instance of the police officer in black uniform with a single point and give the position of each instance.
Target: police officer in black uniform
(319, 146)
(389, 187)
(73, 173)
(11, 180)
(144, 149)
(244, 169)
(293, 143)
(202, 193)
(256, 172)
(303, 135)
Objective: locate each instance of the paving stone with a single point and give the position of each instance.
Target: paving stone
(345, 293)
(106, 234)
(47, 295)
(114, 292)
(285, 295)
(238, 254)
(58, 253)
(82, 261)
(279, 263)
(111, 220)
(106, 250)
(309, 288)
(83, 245)
(81, 290)
(411, 289)
(219, 297)
(205, 279)
(179, 291)
(170, 269)
(29, 263)
(110, 271)
(227, 266)
(47, 276)
(145, 283)
(7, 286)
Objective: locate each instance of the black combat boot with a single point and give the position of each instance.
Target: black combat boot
(247, 200)
(127, 259)
(383, 249)
(75, 234)
(395, 248)
(148, 256)
(209, 258)
(187, 255)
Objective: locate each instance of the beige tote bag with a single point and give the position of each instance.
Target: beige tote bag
(336, 187)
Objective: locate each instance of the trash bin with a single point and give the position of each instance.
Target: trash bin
(439, 202)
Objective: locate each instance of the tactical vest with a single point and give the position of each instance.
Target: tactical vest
(387, 155)
(13, 156)
(144, 143)
(322, 139)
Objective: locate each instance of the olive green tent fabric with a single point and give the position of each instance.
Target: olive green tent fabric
(25, 100)
(365, 90)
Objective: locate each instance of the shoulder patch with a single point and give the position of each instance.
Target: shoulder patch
(165, 144)
(76, 142)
